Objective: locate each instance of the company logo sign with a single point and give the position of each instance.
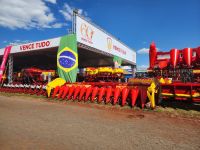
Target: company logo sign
(114, 47)
(87, 33)
(109, 43)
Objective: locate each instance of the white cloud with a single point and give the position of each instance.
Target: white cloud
(26, 14)
(51, 1)
(67, 12)
(145, 50)
(58, 25)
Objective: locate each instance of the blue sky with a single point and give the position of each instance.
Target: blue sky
(169, 23)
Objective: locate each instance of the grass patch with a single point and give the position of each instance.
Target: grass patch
(180, 108)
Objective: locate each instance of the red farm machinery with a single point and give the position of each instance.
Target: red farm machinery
(29, 81)
(172, 75)
(182, 70)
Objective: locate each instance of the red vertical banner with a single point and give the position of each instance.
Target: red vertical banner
(4, 60)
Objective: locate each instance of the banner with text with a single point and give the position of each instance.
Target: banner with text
(26, 47)
(90, 35)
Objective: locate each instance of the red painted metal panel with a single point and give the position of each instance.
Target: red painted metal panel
(187, 56)
(174, 55)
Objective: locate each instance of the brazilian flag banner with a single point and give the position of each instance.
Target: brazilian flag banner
(67, 58)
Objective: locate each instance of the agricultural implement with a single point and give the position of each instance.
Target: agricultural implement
(28, 81)
(103, 74)
(132, 93)
(31, 81)
(182, 67)
(173, 75)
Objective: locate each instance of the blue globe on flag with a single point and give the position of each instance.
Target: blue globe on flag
(67, 59)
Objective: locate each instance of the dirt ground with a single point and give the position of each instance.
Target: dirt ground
(38, 124)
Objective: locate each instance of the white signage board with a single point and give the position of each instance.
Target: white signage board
(34, 46)
(95, 37)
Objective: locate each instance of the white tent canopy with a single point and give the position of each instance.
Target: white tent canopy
(95, 47)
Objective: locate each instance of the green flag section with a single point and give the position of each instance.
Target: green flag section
(118, 60)
(67, 58)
